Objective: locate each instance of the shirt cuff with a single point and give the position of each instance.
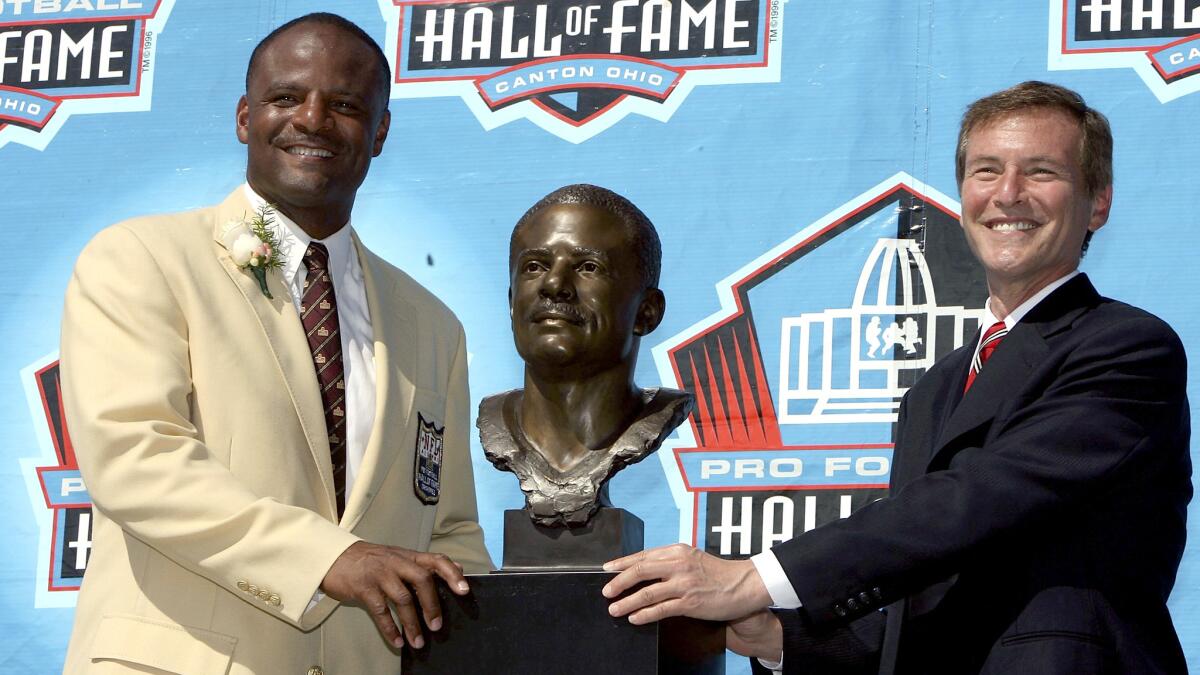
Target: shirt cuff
(316, 598)
(775, 579)
(772, 665)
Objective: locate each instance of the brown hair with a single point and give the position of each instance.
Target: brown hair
(1096, 142)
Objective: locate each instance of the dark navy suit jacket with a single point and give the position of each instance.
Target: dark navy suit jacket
(1035, 524)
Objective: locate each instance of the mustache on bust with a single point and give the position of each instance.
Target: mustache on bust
(546, 308)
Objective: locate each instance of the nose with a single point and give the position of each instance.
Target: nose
(557, 283)
(1010, 188)
(312, 115)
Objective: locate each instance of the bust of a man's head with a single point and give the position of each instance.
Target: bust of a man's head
(583, 277)
(583, 289)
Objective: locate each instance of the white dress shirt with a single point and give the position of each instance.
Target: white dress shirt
(767, 565)
(354, 324)
(1022, 309)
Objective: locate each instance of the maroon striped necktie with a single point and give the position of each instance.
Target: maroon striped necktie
(318, 313)
(991, 339)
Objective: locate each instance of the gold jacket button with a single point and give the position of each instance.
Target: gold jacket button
(242, 585)
(273, 600)
(316, 670)
(252, 589)
(263, 594)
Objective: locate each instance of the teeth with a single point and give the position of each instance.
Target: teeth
(1013, 227)
(309, 152)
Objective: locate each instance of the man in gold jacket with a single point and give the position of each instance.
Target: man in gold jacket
(253, 513)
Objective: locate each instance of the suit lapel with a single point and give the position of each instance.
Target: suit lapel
(1003, 375)
(1010, 366)
(928, 414)
(285, 337)
(395, 362)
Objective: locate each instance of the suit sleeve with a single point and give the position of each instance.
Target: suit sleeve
(456, 531)
(126, 381)
(1113, 413)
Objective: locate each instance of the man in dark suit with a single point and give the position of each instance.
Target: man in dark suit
(1041, 475)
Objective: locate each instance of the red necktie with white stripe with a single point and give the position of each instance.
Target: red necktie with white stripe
(318, 313)
(991, 339)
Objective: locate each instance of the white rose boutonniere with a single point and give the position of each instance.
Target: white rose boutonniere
(254, 246)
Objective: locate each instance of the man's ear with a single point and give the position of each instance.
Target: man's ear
(381, 132)
(1101, 207)
(243, 120)
(650, 312)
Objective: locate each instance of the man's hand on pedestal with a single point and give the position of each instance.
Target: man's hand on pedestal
(759, 635)
(684, 581)
(379, 578)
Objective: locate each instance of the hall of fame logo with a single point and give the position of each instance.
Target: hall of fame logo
(69, 57)
(576, 67)
(799, 376)
(427, 469)
(61, 505)
(1159, 39)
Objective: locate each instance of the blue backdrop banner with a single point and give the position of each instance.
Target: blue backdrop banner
(796, 158)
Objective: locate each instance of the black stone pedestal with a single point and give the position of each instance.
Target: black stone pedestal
(556, 623)
(610, 533)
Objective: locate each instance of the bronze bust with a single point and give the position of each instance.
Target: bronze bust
(583, 271)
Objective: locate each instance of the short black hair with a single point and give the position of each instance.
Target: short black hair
(383, 74)
(643, 238)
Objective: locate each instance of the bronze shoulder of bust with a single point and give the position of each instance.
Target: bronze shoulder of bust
(570, 497)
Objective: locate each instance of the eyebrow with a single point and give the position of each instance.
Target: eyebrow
(584, 252)
(1045, 159)
(285, 85)
(532, 252)
(576, 252)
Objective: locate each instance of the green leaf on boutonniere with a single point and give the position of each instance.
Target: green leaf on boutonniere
(260, 273)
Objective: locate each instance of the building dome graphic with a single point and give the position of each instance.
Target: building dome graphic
(853, 364)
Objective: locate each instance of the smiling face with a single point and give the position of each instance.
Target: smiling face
(577, 296)
(1025, 206)
(312, 120)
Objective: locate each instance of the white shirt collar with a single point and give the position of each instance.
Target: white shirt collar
(294, 241)
(1022, 309)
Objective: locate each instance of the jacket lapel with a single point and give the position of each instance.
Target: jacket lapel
(395, 362)
(1010, 366)
(926, 415)
(285, 337)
